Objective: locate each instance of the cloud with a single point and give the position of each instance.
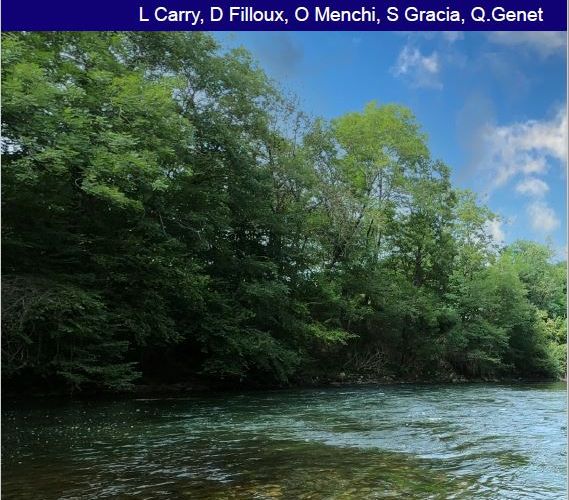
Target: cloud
(544, 42)
(542, 217)
(494, 229)
(531, 186)
(525, 147)
(452, 36)
(418, 69)
(524, 151)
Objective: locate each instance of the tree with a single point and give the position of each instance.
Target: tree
(170, 214)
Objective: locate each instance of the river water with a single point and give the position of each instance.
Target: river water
(397, 441)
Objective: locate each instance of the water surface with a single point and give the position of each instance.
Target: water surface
(400, 441)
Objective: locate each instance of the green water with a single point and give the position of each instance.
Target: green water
(464, 441)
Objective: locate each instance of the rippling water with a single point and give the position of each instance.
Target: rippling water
(464, 441)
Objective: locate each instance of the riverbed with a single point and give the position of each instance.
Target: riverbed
(462, 441)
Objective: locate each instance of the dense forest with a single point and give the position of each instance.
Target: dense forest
(170, 215)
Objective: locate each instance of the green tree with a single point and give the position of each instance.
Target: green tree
(169, 214)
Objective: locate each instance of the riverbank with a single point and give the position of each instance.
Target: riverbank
(324, 383)
(200, 386)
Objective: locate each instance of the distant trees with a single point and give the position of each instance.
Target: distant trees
(168, 213)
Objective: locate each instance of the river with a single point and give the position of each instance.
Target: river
(399, 441)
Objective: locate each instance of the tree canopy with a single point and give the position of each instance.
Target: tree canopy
(168, 213)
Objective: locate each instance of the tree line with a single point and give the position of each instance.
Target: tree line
(169, 214)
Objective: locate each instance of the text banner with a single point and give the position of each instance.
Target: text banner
(268, 15)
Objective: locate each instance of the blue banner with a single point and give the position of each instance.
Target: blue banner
(286, 15)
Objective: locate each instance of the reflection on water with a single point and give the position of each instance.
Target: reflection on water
(423, 442)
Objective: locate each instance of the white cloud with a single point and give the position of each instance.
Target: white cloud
(524, 151)
(543, 42)
(531, 186)
(420, 70)
(452, 36)
(525, 147)
(542, 217)
(494, 229)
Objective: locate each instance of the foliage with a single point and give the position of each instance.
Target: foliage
(168, 213)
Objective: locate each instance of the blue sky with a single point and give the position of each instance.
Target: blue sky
(492, 104)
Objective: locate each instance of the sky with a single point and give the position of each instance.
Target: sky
(494, 106)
